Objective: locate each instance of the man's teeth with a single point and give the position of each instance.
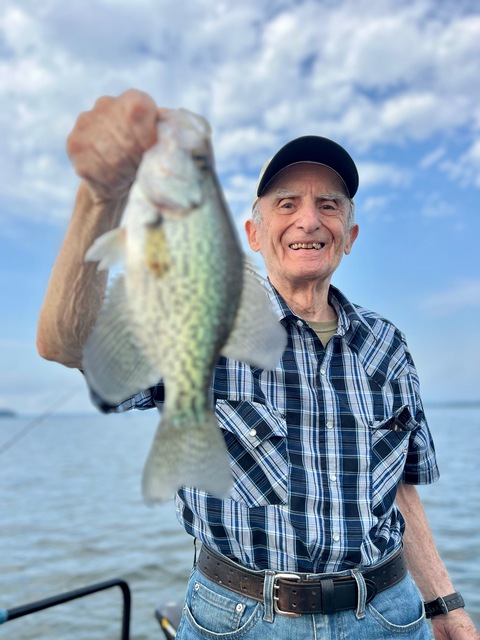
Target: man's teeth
(307, 245)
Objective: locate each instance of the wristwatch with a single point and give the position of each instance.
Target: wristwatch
(441, 606)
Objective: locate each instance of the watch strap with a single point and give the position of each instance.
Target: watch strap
(442, 605)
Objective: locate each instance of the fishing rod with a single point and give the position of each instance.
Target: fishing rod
(21, 433)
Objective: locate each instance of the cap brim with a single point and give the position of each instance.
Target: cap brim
(312, 149)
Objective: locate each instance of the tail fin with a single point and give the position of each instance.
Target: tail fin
(190, 455)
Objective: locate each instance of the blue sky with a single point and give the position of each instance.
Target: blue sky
(395, 82)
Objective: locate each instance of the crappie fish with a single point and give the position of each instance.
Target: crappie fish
(184, 298)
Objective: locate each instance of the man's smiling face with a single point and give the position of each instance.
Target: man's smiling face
(304, 227)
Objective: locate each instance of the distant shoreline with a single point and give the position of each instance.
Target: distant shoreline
(453, 404)
(8, 413)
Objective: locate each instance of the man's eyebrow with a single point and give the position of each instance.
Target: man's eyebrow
(284, 193)
(289, 193)
(334, 195)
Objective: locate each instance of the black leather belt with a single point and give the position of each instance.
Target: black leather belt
(294, 594)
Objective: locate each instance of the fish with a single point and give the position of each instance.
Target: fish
(183, 295)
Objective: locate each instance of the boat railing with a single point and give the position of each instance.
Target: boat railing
(32, 607)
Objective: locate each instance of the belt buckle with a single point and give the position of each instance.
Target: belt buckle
(285, 576)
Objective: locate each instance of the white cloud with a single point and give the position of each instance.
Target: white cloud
(373, 206)
(433, 158)
(466, 168)
(239, 188)
(383, 173)
(436, 207)
(462, 296)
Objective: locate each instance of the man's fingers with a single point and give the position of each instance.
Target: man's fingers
(107, 143)
(140, 116)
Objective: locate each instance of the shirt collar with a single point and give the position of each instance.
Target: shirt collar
(351, 324)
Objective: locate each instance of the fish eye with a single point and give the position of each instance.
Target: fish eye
(201, 160)
(155, 222)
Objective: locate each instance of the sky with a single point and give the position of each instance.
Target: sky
(396, 82)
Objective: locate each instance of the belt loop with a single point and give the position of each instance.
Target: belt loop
(362, 593)
(268, 595)
(327, 588)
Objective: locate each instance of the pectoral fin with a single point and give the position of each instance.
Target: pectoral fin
(114, 365)
(108, 249)
(257, 337)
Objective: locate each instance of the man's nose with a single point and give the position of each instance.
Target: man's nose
(309, 218)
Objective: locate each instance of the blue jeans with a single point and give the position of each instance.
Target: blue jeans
(212, 612)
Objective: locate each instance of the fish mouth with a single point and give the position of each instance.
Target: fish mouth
(306, 245)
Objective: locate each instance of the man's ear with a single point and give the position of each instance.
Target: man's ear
(353, 234)
(252, 235)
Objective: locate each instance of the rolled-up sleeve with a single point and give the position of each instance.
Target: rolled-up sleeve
(421, 462)
(148, 399)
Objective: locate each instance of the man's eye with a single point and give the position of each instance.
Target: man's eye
(330, 208)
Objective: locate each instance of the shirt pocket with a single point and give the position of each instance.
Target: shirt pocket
(390, 446)
(256, 437)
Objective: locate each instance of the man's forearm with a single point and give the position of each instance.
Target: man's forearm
(423, 559)
(427, 568)
(76, 289)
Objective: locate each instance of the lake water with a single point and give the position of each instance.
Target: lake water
(72, 514)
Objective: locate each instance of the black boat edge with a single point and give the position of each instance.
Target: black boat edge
(168, 615)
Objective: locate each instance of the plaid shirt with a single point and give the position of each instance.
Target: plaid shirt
(318, 447)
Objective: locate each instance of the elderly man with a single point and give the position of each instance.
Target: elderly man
(324, 529)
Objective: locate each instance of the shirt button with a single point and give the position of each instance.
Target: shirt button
(299, 323)
(252, 433)
(323, 372)
(333, 477)
(336, 537)
(329, 424)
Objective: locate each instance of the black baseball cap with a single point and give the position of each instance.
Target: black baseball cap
(312, 149)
